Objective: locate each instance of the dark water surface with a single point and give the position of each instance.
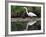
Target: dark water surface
(21, 26)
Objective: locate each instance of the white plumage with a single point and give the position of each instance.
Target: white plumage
(30, 13)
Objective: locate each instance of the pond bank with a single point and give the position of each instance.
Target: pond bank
(25, 19)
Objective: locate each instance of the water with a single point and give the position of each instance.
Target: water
(25, 25)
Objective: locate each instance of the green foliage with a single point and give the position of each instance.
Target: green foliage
(17, 9)
(37, 11)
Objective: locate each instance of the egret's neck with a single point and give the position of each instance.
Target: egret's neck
(26, 11)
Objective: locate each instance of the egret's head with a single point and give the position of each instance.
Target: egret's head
(25, 7)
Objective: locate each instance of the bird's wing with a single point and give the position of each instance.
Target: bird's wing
(32, 14)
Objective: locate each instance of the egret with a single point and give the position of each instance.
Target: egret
(30, 13)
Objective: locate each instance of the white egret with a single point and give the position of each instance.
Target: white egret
(30, 13)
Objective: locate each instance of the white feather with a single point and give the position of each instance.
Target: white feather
(30, 13)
